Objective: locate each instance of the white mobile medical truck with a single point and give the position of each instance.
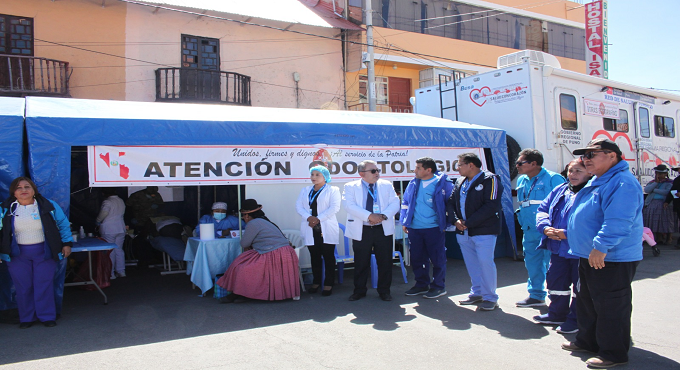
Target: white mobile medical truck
(556, 111)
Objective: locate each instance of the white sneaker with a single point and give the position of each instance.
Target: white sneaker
(113, 277)
(120, 274)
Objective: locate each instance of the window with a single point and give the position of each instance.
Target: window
(200, 53)
(618, 125)
(16, 35)
(644, 122)
(568, 112)
(664, 126)
(380, 89)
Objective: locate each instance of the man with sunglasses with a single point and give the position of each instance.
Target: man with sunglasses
(534, 184)
(371, 204)
(423, 214)
(604, 229)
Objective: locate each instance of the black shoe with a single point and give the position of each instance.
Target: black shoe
(229, 298)
(385, 297)
(49, 324)
(313, 290)
(655, 251)
(326, 293)
(25, 325)
(356, 296)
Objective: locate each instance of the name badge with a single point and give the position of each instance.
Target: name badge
(35, 216)
(376, 208)
(525, 204)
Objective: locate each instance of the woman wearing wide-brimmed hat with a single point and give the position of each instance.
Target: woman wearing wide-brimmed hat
(673, 198)
(657, 215)
(268, 268)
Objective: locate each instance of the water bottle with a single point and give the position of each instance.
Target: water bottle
(82, 233)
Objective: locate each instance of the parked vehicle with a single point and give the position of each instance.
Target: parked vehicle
(556, 111)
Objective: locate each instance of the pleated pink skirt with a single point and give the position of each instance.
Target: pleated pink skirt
(270, 276)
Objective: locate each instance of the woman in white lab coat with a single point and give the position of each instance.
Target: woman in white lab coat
(318, 204)
(112, 229)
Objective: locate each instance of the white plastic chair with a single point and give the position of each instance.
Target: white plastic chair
(298, 243)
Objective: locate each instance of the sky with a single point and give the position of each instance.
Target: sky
(644, 43)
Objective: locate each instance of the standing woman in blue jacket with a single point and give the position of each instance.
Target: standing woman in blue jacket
(656, 214)
(605, 229)
(562, 276)
(35, 235)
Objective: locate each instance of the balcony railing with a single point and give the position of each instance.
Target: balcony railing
(22, 76)
(382, 108)
(198, 85)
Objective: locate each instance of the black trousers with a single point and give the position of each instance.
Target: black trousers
(318, 250)
(373, 240)
(604, 306)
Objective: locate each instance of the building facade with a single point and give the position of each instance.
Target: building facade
(416, 41)
(242, 54)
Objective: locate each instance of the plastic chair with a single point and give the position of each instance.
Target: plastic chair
(341, 259)
(298, 243)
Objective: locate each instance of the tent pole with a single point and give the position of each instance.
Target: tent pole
(238, 195)
(198, 203)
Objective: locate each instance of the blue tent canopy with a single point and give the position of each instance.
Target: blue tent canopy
(11, 142)
(55, 125)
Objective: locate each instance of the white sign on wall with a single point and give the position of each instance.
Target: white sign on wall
(221, 165)
(600, 108)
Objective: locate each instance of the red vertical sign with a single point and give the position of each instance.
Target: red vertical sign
(596, 37)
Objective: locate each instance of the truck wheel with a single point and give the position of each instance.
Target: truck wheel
(513, 154)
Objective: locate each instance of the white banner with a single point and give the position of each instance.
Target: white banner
(600, 108)
(222, 165)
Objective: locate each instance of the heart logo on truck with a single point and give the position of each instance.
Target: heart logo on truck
(479, 95)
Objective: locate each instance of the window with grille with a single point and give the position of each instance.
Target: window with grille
(16, 35)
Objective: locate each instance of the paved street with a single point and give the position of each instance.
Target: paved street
(157, 321)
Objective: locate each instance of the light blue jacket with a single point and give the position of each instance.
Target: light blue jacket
(229, 222)
(607, 216)
(546, 181)
(442, 192)
(657, 190)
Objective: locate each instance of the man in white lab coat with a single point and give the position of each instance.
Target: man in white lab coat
(371, 204)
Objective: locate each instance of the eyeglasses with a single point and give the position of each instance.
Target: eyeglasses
(520, 163)
(590, 155)
(373, 171)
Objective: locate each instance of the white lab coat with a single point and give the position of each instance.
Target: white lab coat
(327, 205)
(111, 216)
(355, 202)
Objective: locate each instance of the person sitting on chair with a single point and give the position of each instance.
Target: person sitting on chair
(223, 223)
(268, 268)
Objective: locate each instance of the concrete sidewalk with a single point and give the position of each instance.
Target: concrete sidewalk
(155, 321)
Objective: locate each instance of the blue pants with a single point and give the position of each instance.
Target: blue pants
(33, 277)
(478, 254)
(536, 262)
(562, 279)
(428, 246)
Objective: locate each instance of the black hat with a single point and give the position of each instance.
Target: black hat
(249, 206)
(599, 144)
(661, 168)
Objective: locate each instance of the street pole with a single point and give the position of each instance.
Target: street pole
(371, 66)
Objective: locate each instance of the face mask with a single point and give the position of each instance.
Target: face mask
(220, 216)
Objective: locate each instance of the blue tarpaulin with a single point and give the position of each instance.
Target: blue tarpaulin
(55, 125)
(11, 166)
(11, 142)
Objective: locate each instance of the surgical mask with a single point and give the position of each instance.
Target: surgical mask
(219, 216)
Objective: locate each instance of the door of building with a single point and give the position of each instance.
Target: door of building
(16, 45)
(399, 94)
(200, 76)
